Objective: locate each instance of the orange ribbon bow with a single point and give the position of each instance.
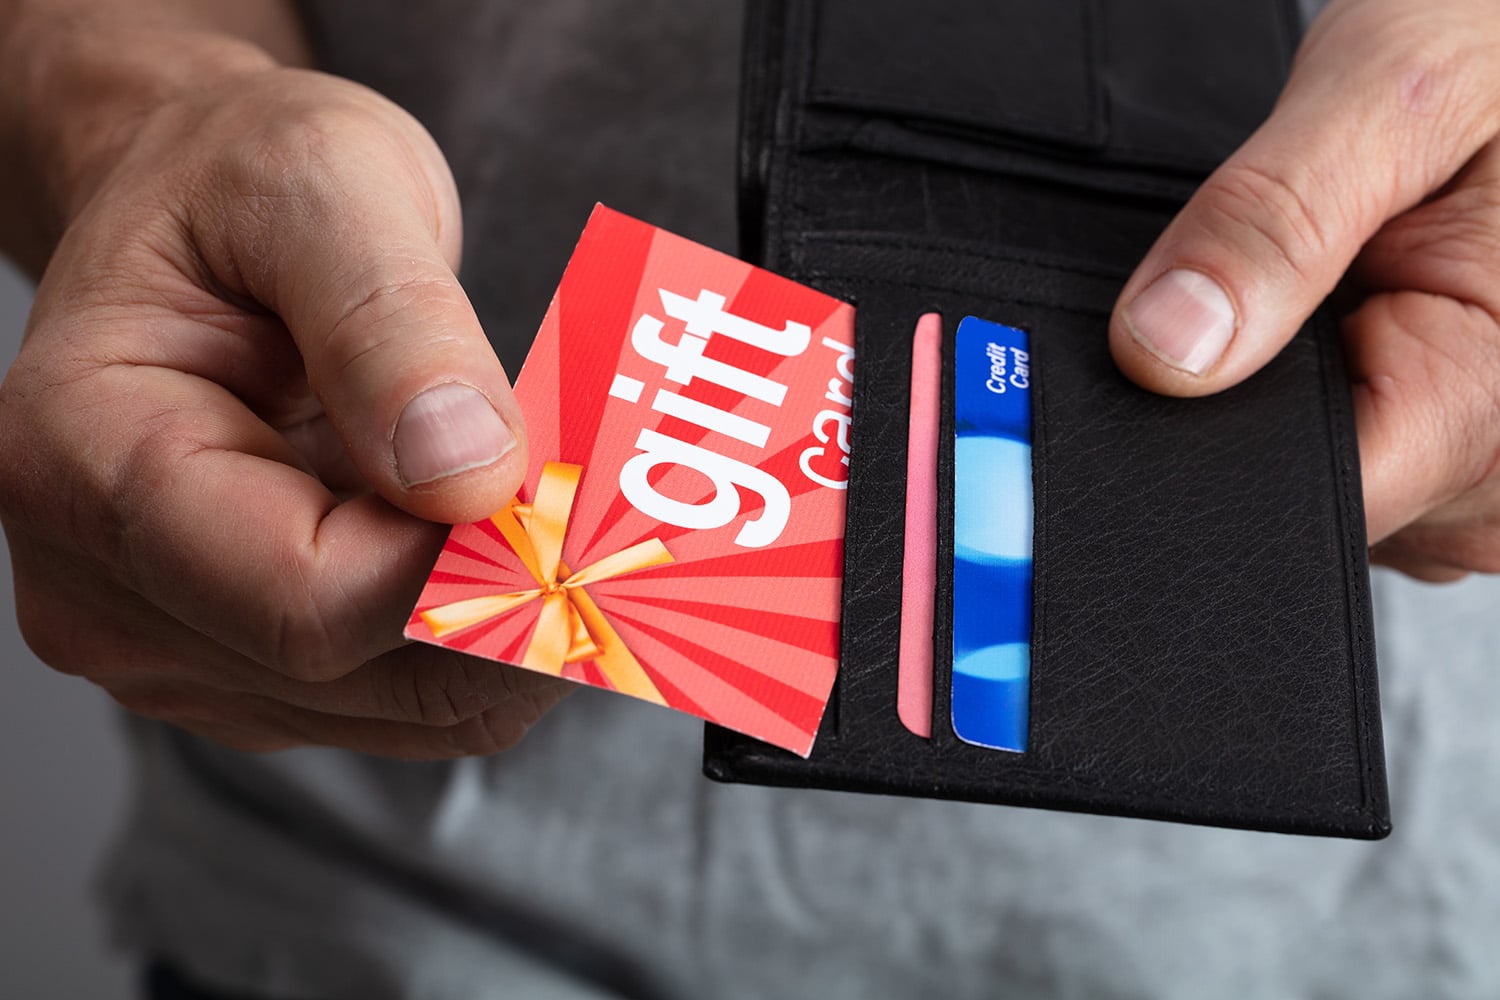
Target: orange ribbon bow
(570, 627)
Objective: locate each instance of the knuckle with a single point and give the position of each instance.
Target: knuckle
(314, 622)
(367, 326)
(306, 647)
(501, 728)
(449, 696)
(1272, 206)
(1486, 556)
(297, 162)
(504, 725)
(125, 534)
(1426, 58)
(270, 158)
(14, 442)
(53, 646)
(1431, 70)
(317, 163)
(302, 628)
(1467, 414)
(160, 701)
(52, 490)
(492, 731)
(52, 639)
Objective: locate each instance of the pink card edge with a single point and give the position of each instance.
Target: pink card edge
(914, 671)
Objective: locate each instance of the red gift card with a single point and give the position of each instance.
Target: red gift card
(680, 534)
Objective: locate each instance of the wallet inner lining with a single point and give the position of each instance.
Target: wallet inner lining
(1116, 655)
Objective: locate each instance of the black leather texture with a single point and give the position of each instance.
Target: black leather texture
(1202, 647)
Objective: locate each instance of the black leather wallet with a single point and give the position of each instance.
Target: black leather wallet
(1201, 639)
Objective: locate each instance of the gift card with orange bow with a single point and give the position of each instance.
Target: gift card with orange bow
(680, 534)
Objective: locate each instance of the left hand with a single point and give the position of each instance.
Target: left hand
(249, 384)
(1381, 159)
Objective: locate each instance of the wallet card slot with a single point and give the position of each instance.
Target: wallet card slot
(1149, 520)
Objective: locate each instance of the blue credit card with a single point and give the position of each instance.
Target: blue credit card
(992, 535)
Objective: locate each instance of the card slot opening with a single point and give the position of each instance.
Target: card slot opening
(944, 736)
(868, 687)
(923, 269)
(988, 515)
(942, 634)
(890, 309)
(1130, 650)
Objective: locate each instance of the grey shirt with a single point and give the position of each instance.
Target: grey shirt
(594, 860)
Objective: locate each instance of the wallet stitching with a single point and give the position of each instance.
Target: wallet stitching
(1040, 303)
(798, 81)
(1129, 177)
(1040, 607)
(964, 248)
(1340, 431)
(982, 116)
(1136, 156)
(1093, 50)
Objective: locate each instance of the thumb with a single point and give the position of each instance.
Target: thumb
(1365, 128)
(362, 247)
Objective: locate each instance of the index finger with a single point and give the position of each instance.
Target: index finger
(194, 503)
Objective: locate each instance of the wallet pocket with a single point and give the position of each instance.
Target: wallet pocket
(1080, 91)
(1189, 557)
(949, 74)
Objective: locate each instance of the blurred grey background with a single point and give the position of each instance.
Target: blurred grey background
(62, 788)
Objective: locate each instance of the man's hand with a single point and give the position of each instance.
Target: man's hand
(249, 364)
(1381, 154)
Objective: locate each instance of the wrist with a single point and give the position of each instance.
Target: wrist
(75, 90)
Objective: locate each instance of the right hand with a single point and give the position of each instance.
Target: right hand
(1382, 160)
(249, 385)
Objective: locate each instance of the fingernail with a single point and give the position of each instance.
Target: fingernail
(446, 430)
(1184, 318)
